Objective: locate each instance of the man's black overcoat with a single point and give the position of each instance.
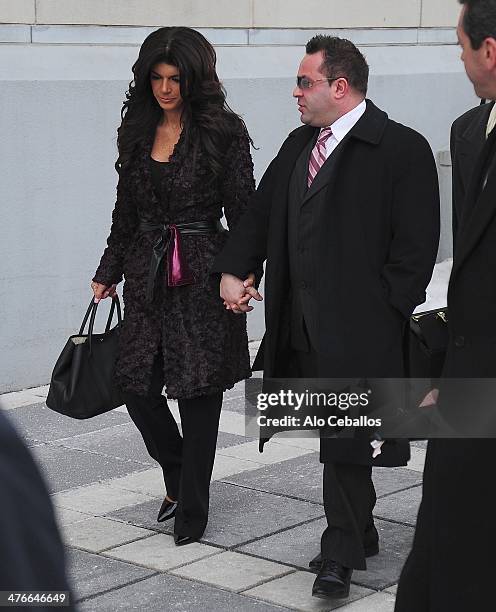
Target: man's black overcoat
(452, 566)
(378, 244)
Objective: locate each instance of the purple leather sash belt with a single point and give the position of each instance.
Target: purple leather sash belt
(169, 245)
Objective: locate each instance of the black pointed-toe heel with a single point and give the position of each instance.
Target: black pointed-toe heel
(167, 510)
(181, 540)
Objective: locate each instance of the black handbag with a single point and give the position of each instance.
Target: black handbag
(427, 343)
(82, 384)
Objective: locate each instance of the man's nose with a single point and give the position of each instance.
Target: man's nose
(297, 92)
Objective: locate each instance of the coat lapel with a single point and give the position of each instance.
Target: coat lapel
(484, 206)
(369, 128)
(326, 175)
(469, 144)
(290, 152)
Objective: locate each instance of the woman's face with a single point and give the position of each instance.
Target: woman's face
(164, 80)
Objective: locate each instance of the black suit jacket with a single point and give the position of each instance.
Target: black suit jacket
(377, 244)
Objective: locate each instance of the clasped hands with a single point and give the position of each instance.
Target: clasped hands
(237, 293)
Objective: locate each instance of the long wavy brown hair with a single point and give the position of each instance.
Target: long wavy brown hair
(208, 121)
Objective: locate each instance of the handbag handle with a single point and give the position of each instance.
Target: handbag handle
(91, 313)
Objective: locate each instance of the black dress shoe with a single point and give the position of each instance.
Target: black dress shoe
(181, 540)
(370, 551)
(333, 581)
(167, 510)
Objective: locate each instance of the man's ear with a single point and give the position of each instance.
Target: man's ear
(342, 87)
(490, 53)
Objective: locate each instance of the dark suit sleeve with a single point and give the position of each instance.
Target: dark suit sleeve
(246, 248)
(124, 223)
(415, 225)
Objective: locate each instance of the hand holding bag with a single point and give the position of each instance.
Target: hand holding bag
(82, 383)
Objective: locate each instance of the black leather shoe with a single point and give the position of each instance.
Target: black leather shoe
(333, 581)
(370, 551)
(167, 510)
(180, 540)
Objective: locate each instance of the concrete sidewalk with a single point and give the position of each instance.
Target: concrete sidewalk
(266, 517)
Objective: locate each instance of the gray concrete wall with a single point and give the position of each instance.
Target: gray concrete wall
(60, 99)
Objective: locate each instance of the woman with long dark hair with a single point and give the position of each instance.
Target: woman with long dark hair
(184, 157)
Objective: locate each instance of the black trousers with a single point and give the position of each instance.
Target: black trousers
(349, 496)
(187, 461)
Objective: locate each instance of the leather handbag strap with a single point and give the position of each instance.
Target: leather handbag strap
(91, 314)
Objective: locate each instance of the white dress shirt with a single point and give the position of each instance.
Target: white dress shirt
(342, 126)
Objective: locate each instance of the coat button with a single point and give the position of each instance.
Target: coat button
(460, 341)
(304, 285)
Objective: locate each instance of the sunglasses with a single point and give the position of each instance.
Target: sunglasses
(305, 83)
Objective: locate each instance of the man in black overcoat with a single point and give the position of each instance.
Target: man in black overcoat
(347, 220)
(32, 555)
(452, 564)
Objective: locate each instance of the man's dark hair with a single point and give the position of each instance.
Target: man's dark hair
(479, 21)
(341, 59)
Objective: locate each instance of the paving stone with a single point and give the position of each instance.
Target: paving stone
(300, 477)
(65, 516)
(235, 404)
(401, 507)
(294, 546)
(395, 542)
(310, 440)
(227, 466)
(18, 399)
(389, 480)
(165, 592)
(42, 424)
(273, 453)
(149, 482)
(417, 459)
(66, 468)
(234, 423)
(299, 545)
(392, 589)
(226, 439)
(419, 443)
(378, 602)
(40, 391)
(238, 391)
(90, 574)
(159, 552)
(237, 515)
(98, 499)
(96, 534)
(295, 591)
(121, 442)
(232, 571)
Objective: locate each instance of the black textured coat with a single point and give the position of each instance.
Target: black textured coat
(205, 347)
(377, 245)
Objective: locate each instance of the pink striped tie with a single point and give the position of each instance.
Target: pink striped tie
(318, 156)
